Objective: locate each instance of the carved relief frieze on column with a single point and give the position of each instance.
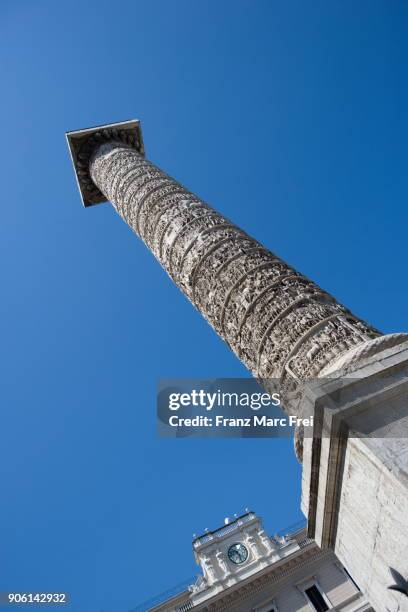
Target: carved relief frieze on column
(277, 321)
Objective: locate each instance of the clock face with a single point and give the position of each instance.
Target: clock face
(238, 553)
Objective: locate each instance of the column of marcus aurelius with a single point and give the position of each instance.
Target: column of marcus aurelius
(284, 328)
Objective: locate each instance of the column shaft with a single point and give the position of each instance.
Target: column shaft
(279, 323)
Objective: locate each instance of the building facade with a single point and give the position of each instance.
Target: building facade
(245, 570)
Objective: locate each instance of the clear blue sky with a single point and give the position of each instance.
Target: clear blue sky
(290, 118)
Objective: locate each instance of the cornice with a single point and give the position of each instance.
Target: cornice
(255, 583)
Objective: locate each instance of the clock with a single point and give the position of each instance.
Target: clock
(238, 553)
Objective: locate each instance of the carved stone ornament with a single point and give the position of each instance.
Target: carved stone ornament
(279, 323)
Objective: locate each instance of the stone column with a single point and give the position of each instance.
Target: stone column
(277, 321)
(273, 318)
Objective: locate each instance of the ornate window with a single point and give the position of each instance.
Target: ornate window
(316, 598)
(314, 594)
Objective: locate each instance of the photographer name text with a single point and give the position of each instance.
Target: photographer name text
(252, 421)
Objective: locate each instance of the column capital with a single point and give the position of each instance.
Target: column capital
(83, 143)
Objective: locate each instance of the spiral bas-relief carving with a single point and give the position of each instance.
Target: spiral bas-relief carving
(279, 323)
